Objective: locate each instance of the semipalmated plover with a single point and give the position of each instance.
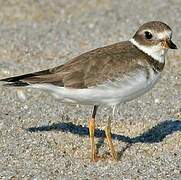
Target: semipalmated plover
(108, 75)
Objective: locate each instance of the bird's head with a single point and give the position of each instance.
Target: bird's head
(154, 38)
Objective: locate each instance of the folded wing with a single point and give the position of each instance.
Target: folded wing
(89, 69)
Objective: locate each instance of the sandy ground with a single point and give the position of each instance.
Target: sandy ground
(44, 139)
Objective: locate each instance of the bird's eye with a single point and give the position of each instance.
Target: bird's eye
(148, 35)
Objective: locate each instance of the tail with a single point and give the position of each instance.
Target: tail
(14, 81)
(21, 80)
(18, 82)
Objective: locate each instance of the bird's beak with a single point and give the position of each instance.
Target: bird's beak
(169, 44)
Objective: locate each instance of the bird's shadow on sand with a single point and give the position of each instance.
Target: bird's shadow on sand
(154, 135)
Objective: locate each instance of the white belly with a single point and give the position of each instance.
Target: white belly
(111, 93)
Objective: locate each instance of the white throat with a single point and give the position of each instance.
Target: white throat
(156, 52)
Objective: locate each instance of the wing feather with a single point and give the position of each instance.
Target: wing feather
(89, 69)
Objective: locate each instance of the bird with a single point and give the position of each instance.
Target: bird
(106, 76)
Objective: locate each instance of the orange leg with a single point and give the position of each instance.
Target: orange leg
(91, 134)
(109, 140)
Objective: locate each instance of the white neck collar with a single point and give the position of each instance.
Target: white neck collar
(154, 51)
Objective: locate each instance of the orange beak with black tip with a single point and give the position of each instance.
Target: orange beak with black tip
(169, 44)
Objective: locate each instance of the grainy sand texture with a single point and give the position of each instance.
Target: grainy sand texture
(41, 138)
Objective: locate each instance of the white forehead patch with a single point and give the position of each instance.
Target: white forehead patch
(164, 34)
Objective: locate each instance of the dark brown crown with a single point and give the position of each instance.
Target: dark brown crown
(156, 26)
(152, 27)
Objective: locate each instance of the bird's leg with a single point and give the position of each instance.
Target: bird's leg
(91, 133)
(109, 138)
